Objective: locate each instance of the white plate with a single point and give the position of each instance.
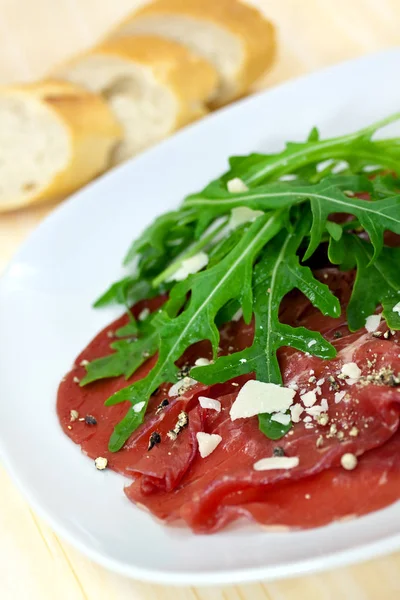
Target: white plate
(46, 319)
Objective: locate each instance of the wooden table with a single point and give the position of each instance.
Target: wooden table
(34, 563)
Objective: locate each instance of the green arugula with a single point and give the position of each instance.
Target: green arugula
(253, 266)
(128, 356)
(258, 168)
(377, 283)
(278, 272)
(210, 291)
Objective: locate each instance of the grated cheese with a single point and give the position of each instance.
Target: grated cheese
(351, 370)
(238, 315)
(100, 463)
(144, 314)
(315, 411)
(202, 362)
(181, 386)
(324, 404)
(276, 462)
(339, 396)
(372, 323)
(295, 411)
(281, 418)
(138, 407)
(309, 398)
(396, 308)
(236, 185)
(207, 442)
(243, 214)
(257, 397)
(189, 266)
(349, 461)
(210, 403)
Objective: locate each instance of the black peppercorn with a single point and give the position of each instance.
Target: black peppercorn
(278, 451)
(90, 420)
(161, 406)
(154, 439)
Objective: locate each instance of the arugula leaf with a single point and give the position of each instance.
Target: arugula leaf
(155, 234)
(131, 329)
(128, 356)
(325, 199)
(272, 429)
(210, 291)
(334, 230)
(375, 217)
(258, 168)
(278, 272)
(375, 284)
(128, 290)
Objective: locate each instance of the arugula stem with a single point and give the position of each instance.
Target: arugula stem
(194, 249)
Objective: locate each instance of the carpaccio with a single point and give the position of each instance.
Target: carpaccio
(174, 483)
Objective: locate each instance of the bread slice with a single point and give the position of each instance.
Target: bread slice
(54, 138)
(153, 85)
(233, 36)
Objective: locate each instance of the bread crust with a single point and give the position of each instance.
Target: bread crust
(190, 78)
(90, 125)
(255, 32)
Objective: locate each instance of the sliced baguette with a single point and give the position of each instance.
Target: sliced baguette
(54, 138)
(233, 36)
(153, 85)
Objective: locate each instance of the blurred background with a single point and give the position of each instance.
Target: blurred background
(36, 35)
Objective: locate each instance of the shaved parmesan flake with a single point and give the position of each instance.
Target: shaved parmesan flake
(243, 214)
(324, 404)
(396, 308)
(257, 397)
(144, 314)
(138, 407)
(276, 462)
(202, 362)
(207, 442)
(238, 315)
(372, 323)
(181, 386)
(210, 403)
(351, 370)
(295, 412)
(236, 185)
(281, 418)
(189, 266)
(339, 396)
(315, 411)
(309, 398)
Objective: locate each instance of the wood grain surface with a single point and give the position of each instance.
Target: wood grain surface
(35, 564)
